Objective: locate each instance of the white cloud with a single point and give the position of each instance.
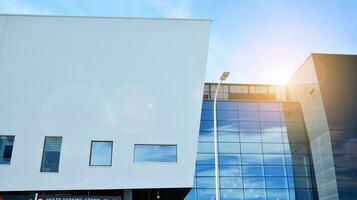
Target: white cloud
(177, 9)
(19, 7)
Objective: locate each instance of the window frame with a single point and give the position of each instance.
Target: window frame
(111, 153)
(43, 151)
(13, 146)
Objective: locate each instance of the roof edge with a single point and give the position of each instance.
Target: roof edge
(103, 17)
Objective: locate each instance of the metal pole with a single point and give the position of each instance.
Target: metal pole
(215, 135)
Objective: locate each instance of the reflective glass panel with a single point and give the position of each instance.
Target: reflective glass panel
(230, 170)
(251, 148)
(272, 137)
(270, 106)
(206, 137)
(205, 182)
(155, 153)
(249, 126)
(231, 182)
(229, 148)
(232, 194)
(227, 126)
(248, 116)
(204, 170)
(229, 159)
(6, 146)
(253, 182)
(277, 182)
(274, 159)
(252, 159)
(254, 194)
(206, 147)
(269, 116)
(249, 106)
(101, 153)
(273, 148)
(206, 126)
(250, 136)
(207, 105)
(278, 194)
(206, 194)
(275, 171)
(224, 105)
(253, 171)
(207, 115)
(228, 136)
(51, 154)
(271, 127)
(227, 115)
(204, 158)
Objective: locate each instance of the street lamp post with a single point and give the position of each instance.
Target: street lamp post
(223, 77)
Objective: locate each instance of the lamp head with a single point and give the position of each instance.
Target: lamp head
(224, 76)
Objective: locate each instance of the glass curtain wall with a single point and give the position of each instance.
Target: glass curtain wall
(263, 152)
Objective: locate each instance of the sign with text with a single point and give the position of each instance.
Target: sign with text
(80, 198)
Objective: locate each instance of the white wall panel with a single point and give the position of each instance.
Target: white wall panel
(133, 81)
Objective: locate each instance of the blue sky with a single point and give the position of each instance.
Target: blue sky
(258, 41)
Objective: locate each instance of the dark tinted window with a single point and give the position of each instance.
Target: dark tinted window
(6, 145)
(51, 154)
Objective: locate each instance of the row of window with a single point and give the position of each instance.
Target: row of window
(271, 137)
(253, 116)
(250, 106)
(100, 153)
(252, 194)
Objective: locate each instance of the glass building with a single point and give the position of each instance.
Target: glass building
(263, 146)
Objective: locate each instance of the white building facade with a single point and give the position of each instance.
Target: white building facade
(99, 103)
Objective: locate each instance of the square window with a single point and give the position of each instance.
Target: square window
(101, 153)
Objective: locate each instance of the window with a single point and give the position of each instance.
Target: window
(101, 153)
(6, 145)
(51, 154)
(155, 153)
